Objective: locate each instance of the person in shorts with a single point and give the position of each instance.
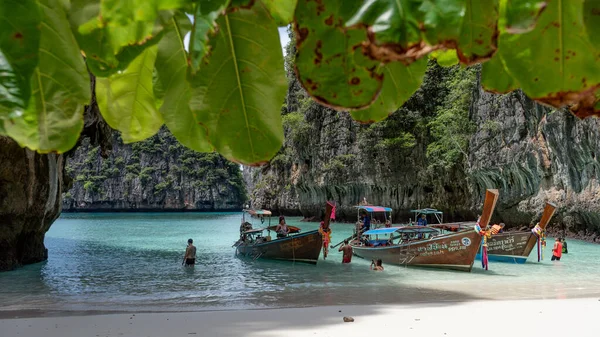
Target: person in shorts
(190, 254)
(557, 250)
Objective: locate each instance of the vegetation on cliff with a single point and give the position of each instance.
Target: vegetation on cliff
(157, 173)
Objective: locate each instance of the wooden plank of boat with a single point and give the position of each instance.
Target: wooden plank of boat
(515, 247)
(449, 251)
(304, 247)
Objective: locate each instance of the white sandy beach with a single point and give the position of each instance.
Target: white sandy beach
(568, 317)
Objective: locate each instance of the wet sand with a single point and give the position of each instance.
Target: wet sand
(473, 318)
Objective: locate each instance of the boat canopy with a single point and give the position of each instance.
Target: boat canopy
(439, 215)
(380, 231)
(403, 229)
(427, 211)
(254, 231)
(258, 212)
(372, 209)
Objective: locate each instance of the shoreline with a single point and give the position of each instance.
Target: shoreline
(416, 319)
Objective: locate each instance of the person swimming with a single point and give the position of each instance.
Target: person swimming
(377, 265)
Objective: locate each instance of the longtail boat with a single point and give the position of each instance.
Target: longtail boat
(425, 246)
(296, 246)
(513, 247)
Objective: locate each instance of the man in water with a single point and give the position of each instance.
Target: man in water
(565, 250)
(422, 221)
(557, 250)
(190, 254)
(347, 252)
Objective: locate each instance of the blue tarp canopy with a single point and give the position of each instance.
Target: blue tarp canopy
(380, 231)
(427, 211)
(404, 229)
(372, 209)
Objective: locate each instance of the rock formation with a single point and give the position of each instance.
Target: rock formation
(30, 200)
(157, 174)
(531, 153)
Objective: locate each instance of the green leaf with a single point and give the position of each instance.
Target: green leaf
(126, 99)
(114, 32)
(496, 78)
(19, 44)
(205, 16)
(396, 27)
(478, 37)
(399, 83)
(238, 94)
(329, 60)
(555, 63)
(281, 10)
(522, 15)
(405, 30)
(172, 67)
(591, 19)
(60, 87)
(445, 58)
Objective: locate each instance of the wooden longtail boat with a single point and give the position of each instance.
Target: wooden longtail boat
(513, 247)
(297, 247)
(425, 246)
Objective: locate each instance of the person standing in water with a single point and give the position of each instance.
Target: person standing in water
(565, 250)
(377, 265)
(347, 252)
(557, 250)
(190, 254)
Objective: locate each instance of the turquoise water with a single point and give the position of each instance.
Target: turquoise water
(121, 261)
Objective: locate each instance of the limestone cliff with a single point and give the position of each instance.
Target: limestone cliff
(158, 174)
(531, 153)
(30, 189)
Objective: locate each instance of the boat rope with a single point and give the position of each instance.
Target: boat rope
(541, 240)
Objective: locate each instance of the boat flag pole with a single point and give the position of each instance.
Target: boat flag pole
(489, 204)
(540, 229)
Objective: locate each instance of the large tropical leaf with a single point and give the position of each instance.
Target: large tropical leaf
(554, 63)
(205, 17)
(329, 61)
(238, 94)
(521, 15)
(409, 29)
(496, 78)
(396, 27)
(281, 10)
(172, 67)
(60, 87)
(126, 99)
(399, 83)
(114, 32)
(591, 19)
(19, 44)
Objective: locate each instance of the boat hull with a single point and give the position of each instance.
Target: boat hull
(304, 247)
(512, 247)
(454, 251)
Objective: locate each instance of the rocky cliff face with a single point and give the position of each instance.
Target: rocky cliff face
(30, 188)
(530, 153)
(156, 174)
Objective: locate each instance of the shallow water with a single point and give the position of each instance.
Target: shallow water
(132, 261)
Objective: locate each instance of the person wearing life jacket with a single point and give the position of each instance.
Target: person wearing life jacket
(557, 250)
(565, 250)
